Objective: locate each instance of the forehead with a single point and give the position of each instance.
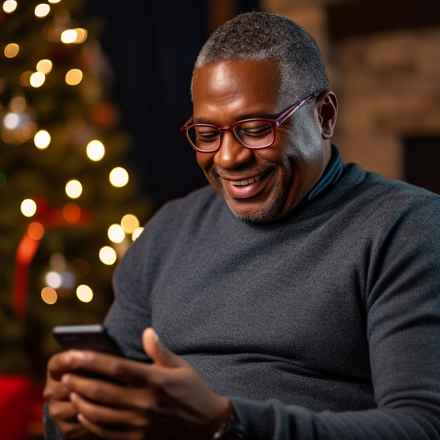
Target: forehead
(231, 88)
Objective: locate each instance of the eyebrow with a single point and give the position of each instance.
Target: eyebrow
(241, 118)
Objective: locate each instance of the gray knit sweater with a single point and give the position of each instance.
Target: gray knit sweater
(325, 325)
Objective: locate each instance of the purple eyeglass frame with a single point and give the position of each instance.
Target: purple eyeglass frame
(276, 122)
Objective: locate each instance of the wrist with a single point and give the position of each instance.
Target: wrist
(227, 426)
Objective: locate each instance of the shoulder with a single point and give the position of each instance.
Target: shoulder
(164, 231)
(381, 200)
(176, 216)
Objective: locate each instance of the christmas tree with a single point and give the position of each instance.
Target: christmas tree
(68, 205)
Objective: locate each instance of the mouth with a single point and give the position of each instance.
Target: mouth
(249, 187)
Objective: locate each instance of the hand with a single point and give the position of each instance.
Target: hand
(63, 412)
(165, 400)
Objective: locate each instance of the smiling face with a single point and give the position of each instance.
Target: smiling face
(258, 185)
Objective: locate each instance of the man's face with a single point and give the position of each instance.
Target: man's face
(258, 185)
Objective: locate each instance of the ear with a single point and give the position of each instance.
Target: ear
(327, 114)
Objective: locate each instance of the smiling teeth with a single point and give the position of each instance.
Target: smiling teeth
(246, 182)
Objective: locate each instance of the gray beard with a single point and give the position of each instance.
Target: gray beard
(264, 216)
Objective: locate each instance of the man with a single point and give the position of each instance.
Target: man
(298, 300)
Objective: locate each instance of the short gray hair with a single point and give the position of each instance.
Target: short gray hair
(261, 36)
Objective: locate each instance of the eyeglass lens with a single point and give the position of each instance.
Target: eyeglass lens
(252, 134)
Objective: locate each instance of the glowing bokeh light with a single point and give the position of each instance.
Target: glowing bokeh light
(42, 139)
(119, 177)
(129, 223)
(74, 36)
(11, 121)
(95, 150)
(11, 50)
(28, 207)
(73, 77)
(84, 293)
(35, 231)
(74, 188)
(37, 79)
(71, 213)
(44, 66)
(116, 234)
(107, 255)
(42, 10)
(53, 279)
(49, 295)
(9, 6)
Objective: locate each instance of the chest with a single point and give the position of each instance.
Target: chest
(294, 296)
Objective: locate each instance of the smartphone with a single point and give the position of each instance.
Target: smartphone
(86, 337)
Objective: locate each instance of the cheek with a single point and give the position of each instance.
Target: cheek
(281, 155)
(204, 161)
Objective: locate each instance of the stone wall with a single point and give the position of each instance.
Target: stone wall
(388, 86)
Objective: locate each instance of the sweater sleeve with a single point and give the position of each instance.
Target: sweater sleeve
(129, 313)
(134, 279)
(402, 302)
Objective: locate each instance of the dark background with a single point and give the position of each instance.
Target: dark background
(152, 47)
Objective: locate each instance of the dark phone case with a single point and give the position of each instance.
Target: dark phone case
(86, 337)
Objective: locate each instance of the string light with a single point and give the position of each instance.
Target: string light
(129, 223)
(49, 295)
(37, 79)
(11, 50)
(84, 293)
(68, 36)
(95, 150)
(53, 279)
(42, 139)
(28, 207)
(11, 120)
(42, 10)
(74, 36)
(116, 234)
(138, 231)
(107, 255)
(74, 188)
(119, 177)
(73, 77)
(44, 66)
(9, 6)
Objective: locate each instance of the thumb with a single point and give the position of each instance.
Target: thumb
(157, 351)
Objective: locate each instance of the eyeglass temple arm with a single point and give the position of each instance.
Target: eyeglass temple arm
(289, 112)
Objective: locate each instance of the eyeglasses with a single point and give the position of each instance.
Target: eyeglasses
(253, 133)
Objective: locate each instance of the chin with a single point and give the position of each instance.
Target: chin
(270, 211)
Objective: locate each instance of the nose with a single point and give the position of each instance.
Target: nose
(231, 153)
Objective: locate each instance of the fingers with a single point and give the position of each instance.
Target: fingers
(72, 430)
(106, 393)
(63, 412)
(117, 369)
(110, 417)
(63, 362)
(110, 434)
(55, 390)
(157, 351)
